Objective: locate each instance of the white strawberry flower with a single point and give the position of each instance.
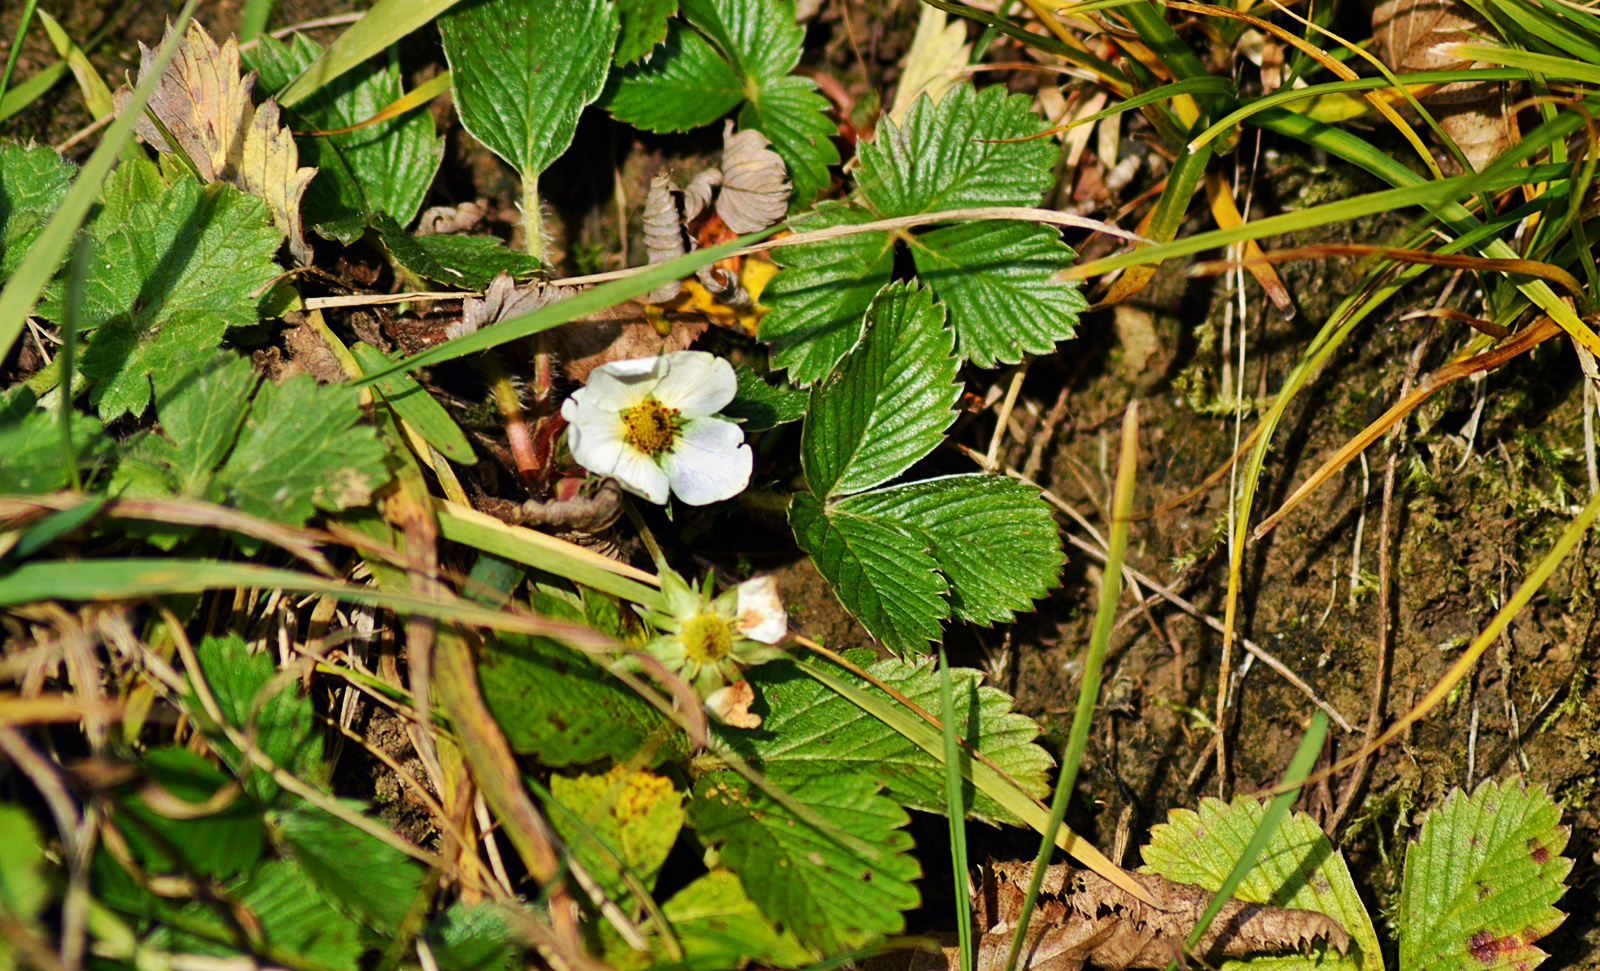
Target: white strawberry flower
(648, 422)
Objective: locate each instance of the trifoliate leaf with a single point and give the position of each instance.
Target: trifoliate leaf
(635, 817)
(760, 406)
(644, 25)
(835, 888)
(880, 571)
(994, 539)
(735, 53)
(718, 926)
(386, 167)
(556, 705)
(1481, 880)
(33, 456)
(995, 278)
(476, 938)
(296, 919)
(523, 70)
(32, 183)
(300, 450)
(281, 724)
(890, 403)
(469, 262)
(203, 104)
(1299, 868)
(361, 874)
(810, 730)
(167, 284)
(220, 844)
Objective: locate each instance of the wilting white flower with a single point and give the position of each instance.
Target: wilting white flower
(709, 641)
(648, 423)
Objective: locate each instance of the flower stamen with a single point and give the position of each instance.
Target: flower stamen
(650, 426)
(707, 638)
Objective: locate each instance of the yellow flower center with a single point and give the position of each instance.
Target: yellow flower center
(650, 426)
(707, 638)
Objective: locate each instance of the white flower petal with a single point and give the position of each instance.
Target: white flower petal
(761, 614)
(708, 462)
(619, 385)
(597, 445)
(696, 383)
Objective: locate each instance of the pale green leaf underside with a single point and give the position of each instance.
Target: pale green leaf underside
(523, 70)
(1299, 868)
(718, 926)
(1481, 881)
(891, 401)
(831, 896)
(809, 729)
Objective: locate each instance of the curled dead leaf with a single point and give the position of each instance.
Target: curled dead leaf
(697, 197)
(755, 184)
(502, 300)
(663, 232)
(202, 110)
(444, 220)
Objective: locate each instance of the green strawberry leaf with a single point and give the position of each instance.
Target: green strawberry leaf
(890, 403)
(1299, 868)
(833, 890)
(995, 278)
(1482, 879)
(24, 886)
(476, 938)
(807, 729)
(634, 821)
(523, 70)
(221, 844)
(644, 25)
(33, 182)
(300, 450)
(296, 919)
(470, 262)
(881, 572)
(994, 539)
(762, 407)
(200, 413)
(386, 167)
(558, 706)
(718, 926)
(736, 53)
(361, 874)
(167, 284)
(32, 454)
(282, 726)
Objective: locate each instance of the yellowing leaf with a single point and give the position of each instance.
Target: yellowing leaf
(202, 111)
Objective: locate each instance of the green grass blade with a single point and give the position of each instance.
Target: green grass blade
(412, 402)
(16, 44)
(1205, 85)
(1299, 767)
(1547, 64)
(956, 811)
(31, 90)
(1105, 620)
(46, 253)
(1109, 75)
(385, 23)
(562, 311)
(69, 349)
(254, 21)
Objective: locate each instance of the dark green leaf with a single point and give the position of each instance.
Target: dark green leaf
(412, 402)
(994, 539)
(301, 451)
(761, 406)
(167, 284)
(476, 938)
(221, 845)
(296, 919)
(891, 401)
(558, 706)
(33, 182)
(881, 571)
(200, 412)
(32, 455)
(719, 927)
(1481, 881)
(283, 726)
(832, 890)
(523, 70)
(683, 85)
(470, 262)
(819, 302)
(644, 25)
(371, 879)
(386, 167)
(809, 730)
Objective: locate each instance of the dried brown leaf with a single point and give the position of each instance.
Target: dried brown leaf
(663, 232)
(1082, 918)
(755, 184)
(443, 220)
(619, 333)
(697, 197)
(271, 169)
